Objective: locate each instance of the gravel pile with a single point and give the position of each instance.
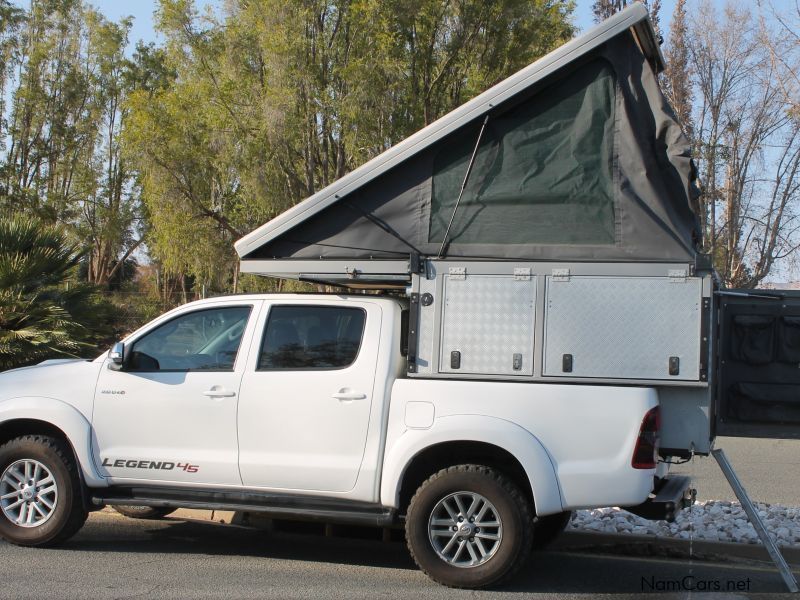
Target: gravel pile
(713, 520)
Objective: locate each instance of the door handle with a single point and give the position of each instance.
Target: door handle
(219, 393)
(345, 394)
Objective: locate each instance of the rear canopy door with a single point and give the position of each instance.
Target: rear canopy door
(758, 360)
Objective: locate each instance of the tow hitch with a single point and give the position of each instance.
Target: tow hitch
(670, 496)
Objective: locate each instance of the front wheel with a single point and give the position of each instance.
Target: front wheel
(40, 497)
(469, 526)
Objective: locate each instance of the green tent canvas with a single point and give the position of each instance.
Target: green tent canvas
(576, 157)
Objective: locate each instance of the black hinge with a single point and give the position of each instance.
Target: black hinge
(413, 325)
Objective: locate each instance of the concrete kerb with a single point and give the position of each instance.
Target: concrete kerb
(580, 541)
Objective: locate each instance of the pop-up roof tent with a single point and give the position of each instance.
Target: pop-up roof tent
(576, 157)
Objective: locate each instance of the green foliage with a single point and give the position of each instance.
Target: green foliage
(243, 110)
(41, 315)
(272, 100)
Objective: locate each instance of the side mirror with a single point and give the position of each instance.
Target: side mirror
(117, 356)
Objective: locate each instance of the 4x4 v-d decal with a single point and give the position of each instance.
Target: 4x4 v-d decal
(149, 464)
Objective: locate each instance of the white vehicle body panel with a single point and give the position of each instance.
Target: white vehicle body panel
(59, 393)
(572, 440)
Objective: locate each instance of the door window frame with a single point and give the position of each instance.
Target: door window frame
(265, 325)
(130, 343)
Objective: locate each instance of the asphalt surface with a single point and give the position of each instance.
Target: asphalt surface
(769, 470)
(116, 557)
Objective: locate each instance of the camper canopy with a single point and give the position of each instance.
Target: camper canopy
(577, 157)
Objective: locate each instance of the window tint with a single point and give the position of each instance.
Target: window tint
(311, 337)
(202, 340)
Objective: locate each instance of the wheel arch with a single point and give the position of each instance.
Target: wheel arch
(444, 454)
(48, 416)
(494, 442)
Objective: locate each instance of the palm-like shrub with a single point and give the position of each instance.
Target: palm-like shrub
(40, 316)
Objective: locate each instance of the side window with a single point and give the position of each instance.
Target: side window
(205, 340)
(311, 337)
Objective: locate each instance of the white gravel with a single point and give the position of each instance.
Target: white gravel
(713, 520)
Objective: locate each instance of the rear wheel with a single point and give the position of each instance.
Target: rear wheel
(40, 492)
(469, 526)
(144, 512)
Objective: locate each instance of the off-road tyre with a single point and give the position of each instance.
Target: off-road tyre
(547, 529)
(514, 510)
(69, 514)
(143, 512)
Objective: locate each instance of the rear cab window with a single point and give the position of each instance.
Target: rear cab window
(308, 337)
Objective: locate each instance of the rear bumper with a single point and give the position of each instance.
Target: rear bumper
(670, 496)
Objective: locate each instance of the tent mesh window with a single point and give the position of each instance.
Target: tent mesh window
(543, 173)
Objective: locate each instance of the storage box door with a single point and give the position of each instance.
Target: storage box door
(758, 390)
(624, 328)
(487, 325)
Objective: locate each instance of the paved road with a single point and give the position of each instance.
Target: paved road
(769, 470)
(115, 557)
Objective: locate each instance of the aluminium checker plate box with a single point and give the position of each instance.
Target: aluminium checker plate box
(488, 320)
(623, 327)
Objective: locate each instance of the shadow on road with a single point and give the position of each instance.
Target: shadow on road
(172, 536)
(554, 572)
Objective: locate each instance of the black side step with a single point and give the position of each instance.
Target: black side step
(284, 506)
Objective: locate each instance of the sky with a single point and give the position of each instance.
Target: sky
(140, 10)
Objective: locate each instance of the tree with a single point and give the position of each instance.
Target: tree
(747, 140)
(11, 19)
(603, 9)
(109, 205)
(784, 48)
(47, 121)
(273, 100)
(40, 317)
(677, 76)
(64, 127)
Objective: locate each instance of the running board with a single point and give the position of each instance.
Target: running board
(280, 506)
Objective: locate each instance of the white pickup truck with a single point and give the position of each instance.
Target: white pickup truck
(299, 406)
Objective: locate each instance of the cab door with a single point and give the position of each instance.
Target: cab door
(306, 398)
(169, 414)
(758, 364)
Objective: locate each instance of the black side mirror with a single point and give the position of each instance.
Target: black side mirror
(117, 356)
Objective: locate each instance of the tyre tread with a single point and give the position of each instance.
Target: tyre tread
(77, 514)
(516, 495)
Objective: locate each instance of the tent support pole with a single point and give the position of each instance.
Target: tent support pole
(463, 186)
(755, 520)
